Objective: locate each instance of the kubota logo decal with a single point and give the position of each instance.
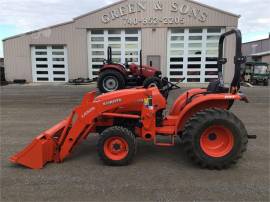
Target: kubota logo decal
(110, 102)
(229, 97)
(140, 100)
(88, 112)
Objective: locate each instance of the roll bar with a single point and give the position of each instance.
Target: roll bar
(141, 62)
(109, 55)
(238, 58)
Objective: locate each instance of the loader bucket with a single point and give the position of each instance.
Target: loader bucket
(43, 148)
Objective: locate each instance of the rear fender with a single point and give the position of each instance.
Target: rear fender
(181, 100)
(202, 102)
(116, 67)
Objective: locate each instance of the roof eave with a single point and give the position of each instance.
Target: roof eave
(259, 40)
(100, 9)
(261, 53)
(192, 1)
(38, 30)
(214, 8)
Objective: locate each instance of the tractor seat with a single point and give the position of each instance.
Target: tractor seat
(134, 69)
(126, 66)
(216, 87)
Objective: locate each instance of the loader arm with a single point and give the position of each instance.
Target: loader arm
(56, 143)
(87, 112)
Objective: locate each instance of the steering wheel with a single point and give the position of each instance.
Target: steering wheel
(169, 86)
(126, 64)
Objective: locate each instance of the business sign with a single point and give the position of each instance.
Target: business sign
(179, 13)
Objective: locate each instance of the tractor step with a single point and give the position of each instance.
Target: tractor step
(159, 142)
(166, 130)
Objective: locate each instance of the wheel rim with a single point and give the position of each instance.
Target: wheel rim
(152, 85)
(116, 148)
(217, 141)
(110, 83)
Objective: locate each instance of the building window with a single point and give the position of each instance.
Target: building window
(125, 44)
(195, 50)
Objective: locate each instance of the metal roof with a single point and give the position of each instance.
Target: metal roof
(214, 8)
(261, 53)
(256, 63)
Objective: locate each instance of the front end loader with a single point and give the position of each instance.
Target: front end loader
(212, 136)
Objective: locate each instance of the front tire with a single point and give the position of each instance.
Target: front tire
(110, 80)
(116, 146)
(214, 138)
(152, 82)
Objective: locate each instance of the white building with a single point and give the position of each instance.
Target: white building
(178, 36)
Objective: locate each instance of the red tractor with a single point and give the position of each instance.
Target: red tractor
(114, 76)
(212, 136)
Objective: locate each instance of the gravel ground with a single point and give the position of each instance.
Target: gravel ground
(156, 174)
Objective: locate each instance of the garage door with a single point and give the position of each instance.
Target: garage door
(49, 63)
(126, 44)
(192, 54)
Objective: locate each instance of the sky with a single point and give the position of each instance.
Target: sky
(19, 16)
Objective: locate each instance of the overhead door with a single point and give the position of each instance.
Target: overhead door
(192, 54)
(125, 44)
(49, 63)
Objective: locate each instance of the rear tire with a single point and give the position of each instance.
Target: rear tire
(265, 83)
(116, 146)
(152, 82)
(110, 80)
(214, 138)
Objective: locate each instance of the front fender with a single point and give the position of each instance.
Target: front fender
(206, 101)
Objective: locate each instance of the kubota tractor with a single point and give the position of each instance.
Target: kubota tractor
(113, 76)
(212, 136)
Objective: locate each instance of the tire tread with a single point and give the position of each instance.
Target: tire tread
(124, 132)
(109, 72)
(195, 122)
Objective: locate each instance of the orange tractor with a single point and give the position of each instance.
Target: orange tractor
(212, 136)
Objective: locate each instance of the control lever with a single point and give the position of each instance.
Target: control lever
(176, 84)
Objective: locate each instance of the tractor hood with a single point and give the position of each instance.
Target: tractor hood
(149, 68)
(147, 71)
(150, 71)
